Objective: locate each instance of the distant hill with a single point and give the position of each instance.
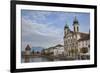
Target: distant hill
(37, 49)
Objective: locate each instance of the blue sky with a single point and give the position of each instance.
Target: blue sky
(46, 28)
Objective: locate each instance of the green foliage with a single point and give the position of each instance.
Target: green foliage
(84, 50)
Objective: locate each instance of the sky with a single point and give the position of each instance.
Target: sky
(46, 28)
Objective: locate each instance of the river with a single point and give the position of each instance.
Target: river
(38, 59)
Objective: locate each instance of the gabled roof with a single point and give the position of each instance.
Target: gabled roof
(27, 47)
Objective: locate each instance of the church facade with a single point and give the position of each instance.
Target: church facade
(73, 39)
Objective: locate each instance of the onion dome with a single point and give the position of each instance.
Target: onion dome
(66, 26)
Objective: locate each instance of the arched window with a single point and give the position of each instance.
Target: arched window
(77, 29)
(74, 28)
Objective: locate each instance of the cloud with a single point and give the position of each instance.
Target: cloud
(36, 34)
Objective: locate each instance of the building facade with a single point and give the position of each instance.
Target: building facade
(58, 50)
(71, 40)
(84, 47)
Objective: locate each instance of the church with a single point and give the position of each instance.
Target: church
(76, 43)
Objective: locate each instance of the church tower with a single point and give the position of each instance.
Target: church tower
(76, 25)
(66, 29)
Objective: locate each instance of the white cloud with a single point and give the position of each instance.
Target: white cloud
(44, 35)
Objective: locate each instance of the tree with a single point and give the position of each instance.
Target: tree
(38, 52)
(74, 51)
(32, 51)
(84, 50)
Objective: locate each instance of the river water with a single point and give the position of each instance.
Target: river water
(38, 59)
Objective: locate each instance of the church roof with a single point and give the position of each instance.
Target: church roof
(84, 37)
(81, 33)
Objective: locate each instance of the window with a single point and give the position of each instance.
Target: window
(77, 28)
(74, 28)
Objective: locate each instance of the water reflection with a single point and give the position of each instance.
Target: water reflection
(38, 59)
